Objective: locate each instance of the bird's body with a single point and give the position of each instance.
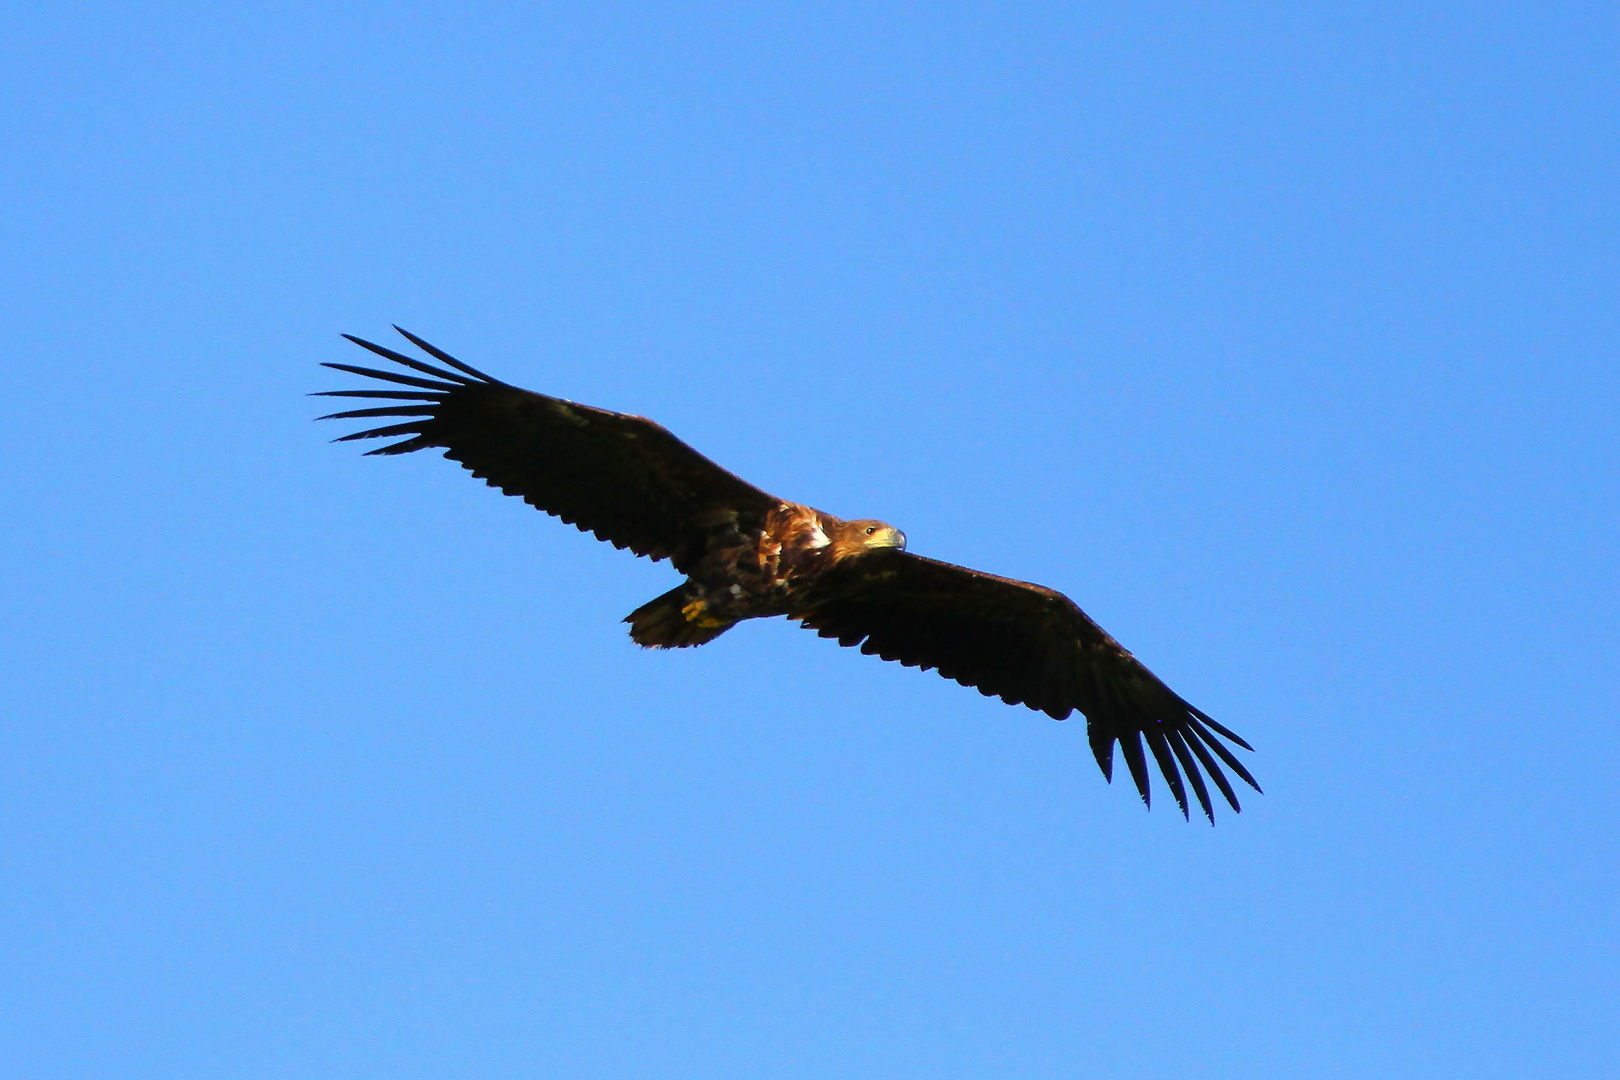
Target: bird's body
(751, 571)
(747, 554)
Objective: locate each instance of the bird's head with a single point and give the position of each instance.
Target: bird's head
(868, 535)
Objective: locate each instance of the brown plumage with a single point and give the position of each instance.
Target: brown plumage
(747, 554)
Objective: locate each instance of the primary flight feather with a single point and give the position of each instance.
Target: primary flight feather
(748, 555)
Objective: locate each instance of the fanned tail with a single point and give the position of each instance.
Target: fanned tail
(678, 619)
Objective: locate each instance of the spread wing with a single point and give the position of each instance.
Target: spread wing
(1028, 645)
(624, 478)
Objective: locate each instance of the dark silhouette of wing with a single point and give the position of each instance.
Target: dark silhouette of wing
(1028, 645)
(622, 477)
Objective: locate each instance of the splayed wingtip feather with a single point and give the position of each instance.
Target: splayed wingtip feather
(439, 354)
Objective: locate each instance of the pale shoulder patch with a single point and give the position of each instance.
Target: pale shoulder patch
(565, 409)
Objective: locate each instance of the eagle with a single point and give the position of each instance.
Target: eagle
(747, 554)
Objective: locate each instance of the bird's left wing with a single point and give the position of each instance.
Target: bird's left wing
(624, 478)
(1025, 644)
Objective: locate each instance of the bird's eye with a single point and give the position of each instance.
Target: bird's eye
(870, 529)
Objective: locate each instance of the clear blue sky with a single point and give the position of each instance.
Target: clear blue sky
(1281, 336)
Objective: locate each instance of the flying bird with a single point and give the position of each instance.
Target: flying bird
(748, 555)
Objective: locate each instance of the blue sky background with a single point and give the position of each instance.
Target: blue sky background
(1282, 337)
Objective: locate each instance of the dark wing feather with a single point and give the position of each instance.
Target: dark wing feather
(624, 478)
(1027, 645)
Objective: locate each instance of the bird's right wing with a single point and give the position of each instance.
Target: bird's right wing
(1025, 644)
